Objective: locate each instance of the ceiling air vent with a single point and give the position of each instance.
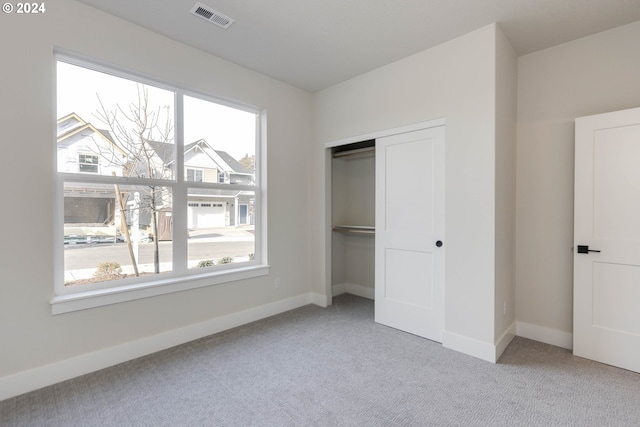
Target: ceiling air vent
(205, 12)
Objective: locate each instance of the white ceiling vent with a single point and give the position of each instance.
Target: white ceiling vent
(205, 12)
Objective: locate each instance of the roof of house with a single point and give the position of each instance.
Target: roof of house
(65, 132)
(164, 150)
(236, 166)
(224, 160)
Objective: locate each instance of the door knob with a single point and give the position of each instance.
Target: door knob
(584, 249)
(439, 243)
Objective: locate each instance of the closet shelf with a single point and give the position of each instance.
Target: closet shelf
(355, 152)
(359, 229)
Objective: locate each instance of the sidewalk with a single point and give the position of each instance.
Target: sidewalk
(241, 233)
(208, 235)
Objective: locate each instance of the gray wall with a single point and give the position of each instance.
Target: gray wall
(505, 152)
(591, 75)
(30, 336)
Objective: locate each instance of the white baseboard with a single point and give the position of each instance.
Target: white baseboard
(339, 289)
(470, 346)
(319, 299)
(505, 340)
(33, 379)
(545, 335)
(352, 288)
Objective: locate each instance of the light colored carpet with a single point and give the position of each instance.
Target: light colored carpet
(336, 367)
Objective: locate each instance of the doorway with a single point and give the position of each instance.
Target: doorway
(409, 212)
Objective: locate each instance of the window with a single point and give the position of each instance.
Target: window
(88, 163)
(194, 175)
(126, 218)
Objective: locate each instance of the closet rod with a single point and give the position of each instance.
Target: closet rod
(354, 229)
(357, 151)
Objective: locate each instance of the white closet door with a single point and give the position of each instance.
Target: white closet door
(409, 247)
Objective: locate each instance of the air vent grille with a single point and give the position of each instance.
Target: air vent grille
(215, 17)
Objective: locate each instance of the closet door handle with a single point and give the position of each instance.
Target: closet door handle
(439, 243)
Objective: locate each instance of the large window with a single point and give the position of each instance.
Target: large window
(140, 199)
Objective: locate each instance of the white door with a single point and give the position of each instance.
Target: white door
(606, 303)
(409, 247)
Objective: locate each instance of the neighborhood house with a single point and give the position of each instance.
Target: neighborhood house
(91, 210)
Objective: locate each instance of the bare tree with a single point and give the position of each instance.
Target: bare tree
(142, 147)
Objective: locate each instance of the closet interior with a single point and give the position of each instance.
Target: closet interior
(353, 219)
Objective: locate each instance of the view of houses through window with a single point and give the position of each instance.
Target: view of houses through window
(122, 199)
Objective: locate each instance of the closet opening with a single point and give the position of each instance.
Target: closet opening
(353, 219)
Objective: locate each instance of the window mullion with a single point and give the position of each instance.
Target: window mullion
(180, 231)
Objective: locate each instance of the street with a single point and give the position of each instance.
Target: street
(81, 260)
(77, 257)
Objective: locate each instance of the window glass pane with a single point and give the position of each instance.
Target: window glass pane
(220, 141)
(126, 126)
(221, 227)
(99, 247)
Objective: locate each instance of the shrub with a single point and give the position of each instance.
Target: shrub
(108, 270)
(225, 260)
(252, 257)
(206, 263)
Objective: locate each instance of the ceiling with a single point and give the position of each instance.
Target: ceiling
(314, 44)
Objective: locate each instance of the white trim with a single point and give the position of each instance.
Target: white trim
(469, 346)
(386, 132)
(353, 289)
(504, 341)
(339, 289)
(33, 379)
(361, 291)
(319, 300)
(96, 298)
(545, 335)
(326, 217)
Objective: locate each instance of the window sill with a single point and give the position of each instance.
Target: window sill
(83, 300)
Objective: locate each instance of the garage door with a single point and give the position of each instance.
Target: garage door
(205, 215)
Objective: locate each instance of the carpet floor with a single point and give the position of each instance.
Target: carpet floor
(336, 367)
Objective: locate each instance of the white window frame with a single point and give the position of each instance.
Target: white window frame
(68, 299)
